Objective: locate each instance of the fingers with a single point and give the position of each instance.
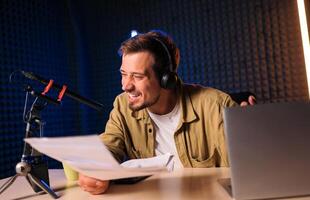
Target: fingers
(99, 189)
(244, 103)
(252, 100)
(92, 185)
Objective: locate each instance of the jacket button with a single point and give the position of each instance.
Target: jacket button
(150, 130)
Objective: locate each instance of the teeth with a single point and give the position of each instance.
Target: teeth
(132, 96)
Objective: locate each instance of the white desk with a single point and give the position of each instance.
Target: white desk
(180, 185)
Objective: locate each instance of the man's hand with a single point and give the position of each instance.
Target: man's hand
(251, 101)
(92, 185)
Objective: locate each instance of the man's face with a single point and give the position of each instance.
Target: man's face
(139, 80)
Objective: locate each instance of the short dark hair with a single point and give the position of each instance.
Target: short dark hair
(149, 42)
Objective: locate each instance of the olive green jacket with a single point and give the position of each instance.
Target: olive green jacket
(199, 137)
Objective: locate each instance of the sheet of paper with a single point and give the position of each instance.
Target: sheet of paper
(88, 155)
(158, 161)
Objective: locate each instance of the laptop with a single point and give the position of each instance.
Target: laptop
(269, 150)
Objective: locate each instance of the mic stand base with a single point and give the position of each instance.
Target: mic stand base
(24, 169)
(8, 183)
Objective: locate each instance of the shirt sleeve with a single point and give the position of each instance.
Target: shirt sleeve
(222, 145)
(113, 136)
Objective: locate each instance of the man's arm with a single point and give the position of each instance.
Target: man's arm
(113, 139)
(222, 148)
(222, 141)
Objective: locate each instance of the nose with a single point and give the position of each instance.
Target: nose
(127, 83)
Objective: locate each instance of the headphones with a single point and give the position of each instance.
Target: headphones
(169, 78)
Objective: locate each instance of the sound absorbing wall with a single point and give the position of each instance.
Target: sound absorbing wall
(240, 45)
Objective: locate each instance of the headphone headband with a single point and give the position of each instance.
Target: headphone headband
(168, 79)
(167, 52)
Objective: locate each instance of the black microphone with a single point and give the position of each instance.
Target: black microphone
(68, 93)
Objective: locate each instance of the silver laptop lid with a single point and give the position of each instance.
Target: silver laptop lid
(269, 150)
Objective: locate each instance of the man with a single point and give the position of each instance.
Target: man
(158, 114)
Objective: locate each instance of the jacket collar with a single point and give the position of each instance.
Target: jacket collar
(188, 113)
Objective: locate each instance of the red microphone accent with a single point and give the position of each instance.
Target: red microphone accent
(48, 87)
(62, 92)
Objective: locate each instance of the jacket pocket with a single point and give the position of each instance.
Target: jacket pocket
(209, 162)
(134, 154)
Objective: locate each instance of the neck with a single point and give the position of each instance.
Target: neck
(166, 102)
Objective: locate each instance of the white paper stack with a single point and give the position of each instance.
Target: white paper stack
(89, 156)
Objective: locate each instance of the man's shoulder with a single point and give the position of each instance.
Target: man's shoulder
(200, 90)
(120, 103)
(121, 98)
(199, 93)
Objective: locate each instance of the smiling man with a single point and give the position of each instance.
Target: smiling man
(139, 81)
(158, 114)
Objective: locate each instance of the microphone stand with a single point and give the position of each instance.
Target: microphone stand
(33, 166)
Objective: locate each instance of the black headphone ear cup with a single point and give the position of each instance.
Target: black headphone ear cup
(169, 80)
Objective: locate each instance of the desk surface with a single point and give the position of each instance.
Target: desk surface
(184, 184)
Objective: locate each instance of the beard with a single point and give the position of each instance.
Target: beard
(145, 104)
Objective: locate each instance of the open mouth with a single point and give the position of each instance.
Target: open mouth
(133, 97)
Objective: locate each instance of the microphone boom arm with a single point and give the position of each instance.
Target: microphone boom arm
(69, 93)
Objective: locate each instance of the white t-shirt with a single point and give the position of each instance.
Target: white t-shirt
(165, 126)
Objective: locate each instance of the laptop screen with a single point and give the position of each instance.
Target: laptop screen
(269, 149)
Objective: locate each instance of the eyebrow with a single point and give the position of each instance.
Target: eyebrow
(134, 73)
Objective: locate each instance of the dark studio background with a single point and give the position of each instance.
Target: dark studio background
(232, 45)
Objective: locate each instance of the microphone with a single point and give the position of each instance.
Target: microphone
(68, 93)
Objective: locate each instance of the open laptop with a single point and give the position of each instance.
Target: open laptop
(269, 150)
